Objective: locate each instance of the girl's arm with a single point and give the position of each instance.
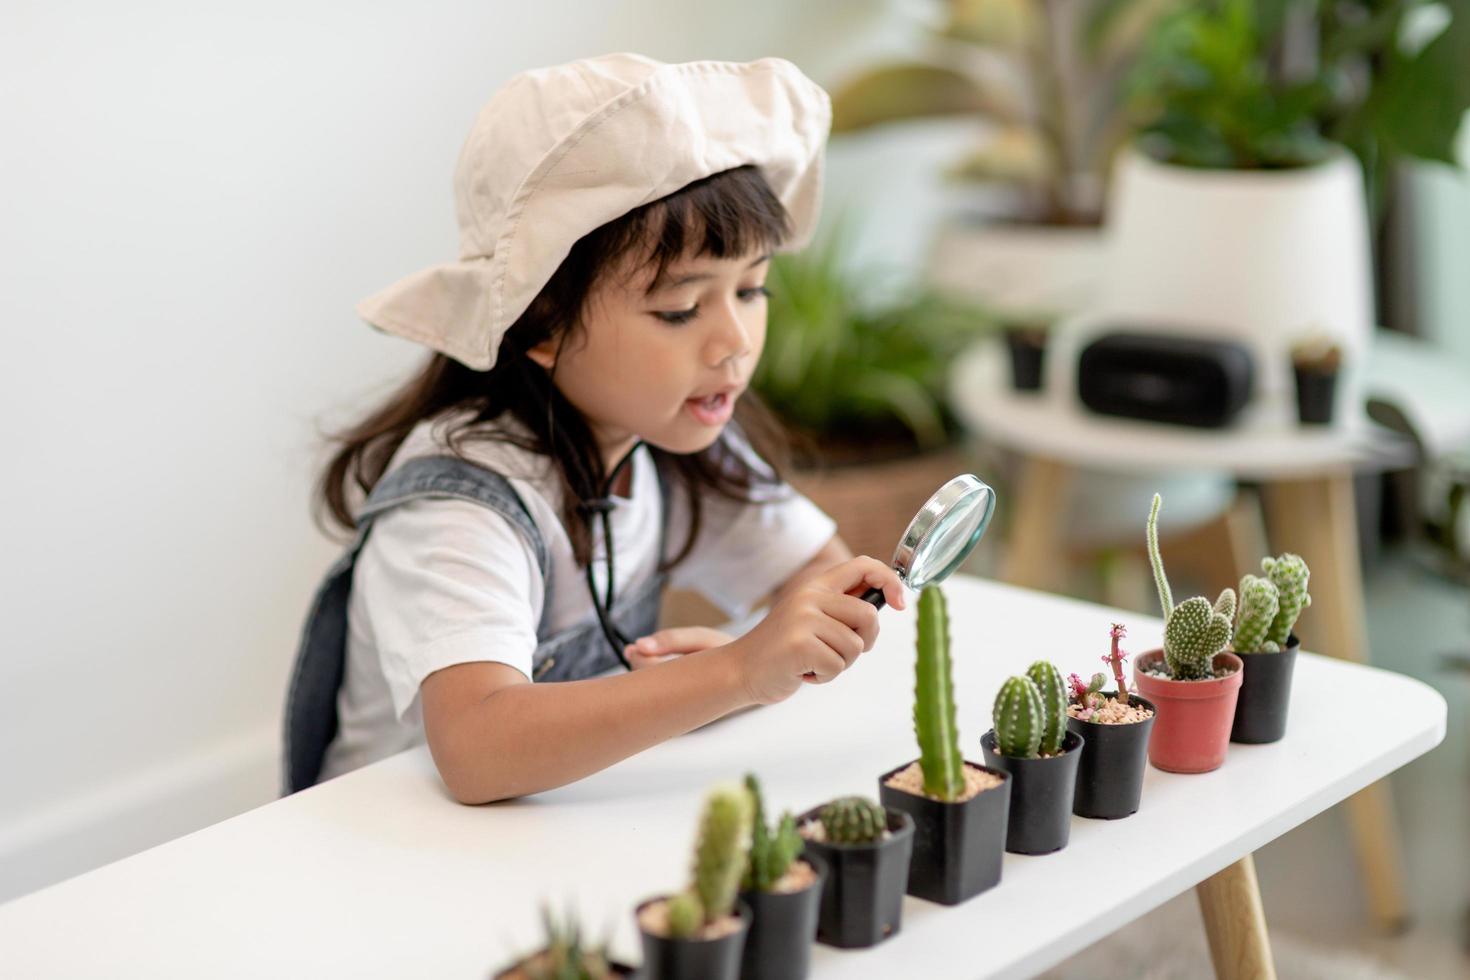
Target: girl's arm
(495, 735)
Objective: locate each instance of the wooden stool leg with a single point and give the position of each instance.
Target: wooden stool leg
(1035, 547)
(1316, 519)
(1235, 923)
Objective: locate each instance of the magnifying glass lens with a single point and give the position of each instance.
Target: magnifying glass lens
(950, 542)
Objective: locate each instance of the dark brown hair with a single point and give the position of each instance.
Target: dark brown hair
(727, 215)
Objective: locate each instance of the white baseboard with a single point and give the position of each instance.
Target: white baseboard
(139, 811)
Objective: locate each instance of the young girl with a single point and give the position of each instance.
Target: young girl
(582, 436)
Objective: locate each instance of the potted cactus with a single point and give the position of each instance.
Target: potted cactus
(959, 808)
(565, 956)
(1192, 681)
(783, 887)
(699, 934)
(1030, 740)
(1316, 362)
(867, 850)
(1115, 729)
(1266, 646)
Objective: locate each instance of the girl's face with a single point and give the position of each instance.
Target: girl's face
(664, 362)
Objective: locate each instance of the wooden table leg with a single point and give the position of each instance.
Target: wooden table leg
(1316, 519)
(1235, 923)
(1035, 549)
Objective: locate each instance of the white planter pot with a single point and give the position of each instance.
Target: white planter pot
(1259, 256)
(1022, 270)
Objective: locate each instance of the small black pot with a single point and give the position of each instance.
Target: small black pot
(779, 946)
(1041, 795)
(862, 901)
(1027, 358)
(1314, 396)
(1110, 774)
(618, 969)
(1265, 695)
(694, 959)
(958, 847)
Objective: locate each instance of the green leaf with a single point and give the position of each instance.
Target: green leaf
(908, 91)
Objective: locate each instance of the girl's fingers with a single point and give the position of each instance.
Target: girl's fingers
(823, 666)
(855, 614)
(856, 575)
(680, 639)
(841, 640)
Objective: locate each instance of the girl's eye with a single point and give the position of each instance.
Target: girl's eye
(684, 316)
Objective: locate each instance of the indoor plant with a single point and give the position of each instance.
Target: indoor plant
(699, 933)
(783, 887)
(1267, 647)
(1116, 730)
(959, 808)
(1192, 681)
(564, 955)
(1030, 741)
(867, 850)
(1315, 363)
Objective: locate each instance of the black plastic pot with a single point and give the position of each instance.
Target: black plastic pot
(862, 900)
(1110, 773)
(779, 946)
(958, 847)
(1265, 695)
(1314, 396)
(618, 969)
(1027, 358)
(694, 959)
(1041, 795)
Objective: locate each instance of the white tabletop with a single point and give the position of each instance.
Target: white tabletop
(380, 874)
(1055, 425)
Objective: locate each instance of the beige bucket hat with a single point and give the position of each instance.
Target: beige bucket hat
(560, 151)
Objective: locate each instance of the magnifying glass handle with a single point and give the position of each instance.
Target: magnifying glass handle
(875, 596)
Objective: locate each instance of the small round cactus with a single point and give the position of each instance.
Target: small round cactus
(1018, 719)
(686, 915)
(1053, 691)
(853, 820)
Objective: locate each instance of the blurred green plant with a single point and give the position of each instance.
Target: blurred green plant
(1046, 74)
(1246, 84)
(842, 364)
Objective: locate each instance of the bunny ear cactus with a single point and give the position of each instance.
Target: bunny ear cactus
(1258, 605)
(1194, 630)
(719, 860)
(934, 711)
(1053, 691)
(771, 854)
(1018, 719)
(1289, 574)
(854, 820)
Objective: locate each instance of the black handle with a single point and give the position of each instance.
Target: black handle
(875, 596)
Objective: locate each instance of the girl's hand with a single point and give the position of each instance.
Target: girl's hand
(667, 644)
(816, 632)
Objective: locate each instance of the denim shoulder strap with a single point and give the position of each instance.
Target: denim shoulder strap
(321, 655)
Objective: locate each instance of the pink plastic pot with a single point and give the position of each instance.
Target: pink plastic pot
(1192, 727)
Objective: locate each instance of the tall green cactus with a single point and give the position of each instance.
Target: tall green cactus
(1194, 631)
(1017, 716)
(1258, 604)
(934, 712)
(853, 820)
(719, 857)
(1289, 573)
(771, 853)
(1053, 691)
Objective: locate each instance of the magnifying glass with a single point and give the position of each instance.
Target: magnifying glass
(942, 534)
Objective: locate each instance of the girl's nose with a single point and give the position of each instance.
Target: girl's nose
(730, 339)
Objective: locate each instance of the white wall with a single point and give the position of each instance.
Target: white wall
(193, 199)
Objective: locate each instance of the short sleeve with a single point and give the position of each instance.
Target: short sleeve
(744, 551)
(444, 582)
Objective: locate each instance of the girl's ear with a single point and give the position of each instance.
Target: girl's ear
(543, 353)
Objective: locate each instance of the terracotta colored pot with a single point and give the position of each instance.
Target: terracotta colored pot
(1192, 726)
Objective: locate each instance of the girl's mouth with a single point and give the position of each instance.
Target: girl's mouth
(714, 409)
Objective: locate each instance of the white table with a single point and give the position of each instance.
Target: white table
(380, 874)
(1306, 478)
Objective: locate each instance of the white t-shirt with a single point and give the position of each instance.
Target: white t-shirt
(443, 581)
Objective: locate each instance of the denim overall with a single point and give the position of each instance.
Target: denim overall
(321, 657)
